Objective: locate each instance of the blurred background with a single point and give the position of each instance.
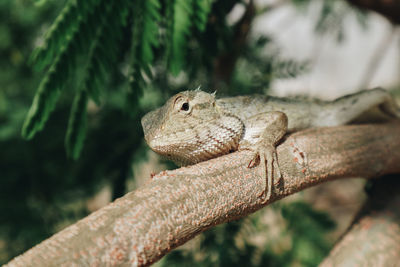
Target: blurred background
(93, 77)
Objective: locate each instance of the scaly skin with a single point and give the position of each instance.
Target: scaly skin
(194, 126)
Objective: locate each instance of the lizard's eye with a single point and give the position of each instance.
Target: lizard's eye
(185, 106)
(182, 105)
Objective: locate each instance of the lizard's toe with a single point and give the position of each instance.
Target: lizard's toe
(254, 161)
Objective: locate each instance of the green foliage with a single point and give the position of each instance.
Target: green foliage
(104, 49)
(43, 102)
(62, 69)
(184, 16)
(201, 9)
(146, 32)
(102, 56)
(307, 227)
(62, 30)
(84, 35)
(77, 125)
(145, 38)
(180, 30)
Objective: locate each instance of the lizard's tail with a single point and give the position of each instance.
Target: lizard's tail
(350, 107)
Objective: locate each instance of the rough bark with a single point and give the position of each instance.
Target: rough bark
(388, 8)
(374, 238)
(173, 207)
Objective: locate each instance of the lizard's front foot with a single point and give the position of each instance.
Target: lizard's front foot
(267, 158)
(265, 132)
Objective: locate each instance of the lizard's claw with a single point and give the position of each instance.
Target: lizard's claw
(267, 157)
(254, 161)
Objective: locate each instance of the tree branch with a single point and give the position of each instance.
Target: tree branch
(390, 9)
(175, 206)
(374, 239)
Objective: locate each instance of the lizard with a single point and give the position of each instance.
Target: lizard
(195, 126)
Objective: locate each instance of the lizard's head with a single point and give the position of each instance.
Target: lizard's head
(184, 129)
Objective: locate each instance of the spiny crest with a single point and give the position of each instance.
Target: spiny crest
(197, 97)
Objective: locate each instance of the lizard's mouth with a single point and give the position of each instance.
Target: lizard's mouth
(171, 153)
(151, 122)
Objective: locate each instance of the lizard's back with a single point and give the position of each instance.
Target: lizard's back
(301, 113)
(306, 113)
